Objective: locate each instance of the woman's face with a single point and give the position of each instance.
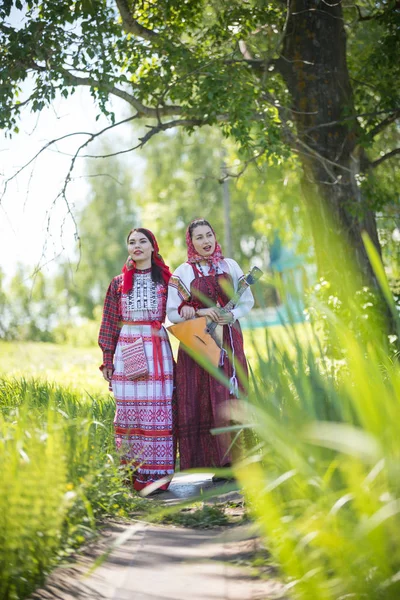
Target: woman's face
(203, 240)
(140, 248)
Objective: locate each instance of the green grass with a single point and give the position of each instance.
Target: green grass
(256, 341)
(198, 517)
(324, 479)
(60, 477)
(76, 368)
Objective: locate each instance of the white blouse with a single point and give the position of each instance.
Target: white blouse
(179, 288)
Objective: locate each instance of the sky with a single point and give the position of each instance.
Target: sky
(35, 227)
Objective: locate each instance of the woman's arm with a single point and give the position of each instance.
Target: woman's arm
(246, 300)
(110, 324)
(178, 292)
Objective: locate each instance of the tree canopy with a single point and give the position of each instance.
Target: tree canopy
(309, 76)
(184, 178)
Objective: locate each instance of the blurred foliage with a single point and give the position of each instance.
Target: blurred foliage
(389, 232)
(184, 178)
(366, 315)
(181, 180)
(60, 475)
(323, 479)
(28, 309)
(324, 483)
(104, 223)
(36, 309)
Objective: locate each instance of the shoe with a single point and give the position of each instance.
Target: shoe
(145, 494)
(156, 492)
(223, 479)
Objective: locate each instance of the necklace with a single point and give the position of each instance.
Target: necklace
(143, 295)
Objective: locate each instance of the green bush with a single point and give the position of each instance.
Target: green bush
(365, 314)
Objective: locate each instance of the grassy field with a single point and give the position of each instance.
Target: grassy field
(59, 469)
(76, 368)
(60, 477)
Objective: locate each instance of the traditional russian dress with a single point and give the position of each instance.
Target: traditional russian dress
(144, 406)
(202, 401)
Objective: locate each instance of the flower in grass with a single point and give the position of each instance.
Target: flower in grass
(69, 496)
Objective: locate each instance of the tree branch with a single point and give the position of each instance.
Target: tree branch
(146, 111)
(153, 130)
(91, 137)
(383, 124)
(374, 131)
(386, 156)
(368, 17)
(130, 25)
(68, 178)
(246, 164)
(299, 146)
(258, 64)
(245, 51)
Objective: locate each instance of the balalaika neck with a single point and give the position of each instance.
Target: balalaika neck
(243, 285)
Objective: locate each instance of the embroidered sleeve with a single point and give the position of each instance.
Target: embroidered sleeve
(110, 324)
(246, 301)
(178, 292)
(177, 283)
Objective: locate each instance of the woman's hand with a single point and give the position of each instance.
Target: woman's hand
(212, 313)
(225, 318)
(187, 312)
(107, 373)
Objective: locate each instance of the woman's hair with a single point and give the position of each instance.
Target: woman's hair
(156, 272)
(197, 223)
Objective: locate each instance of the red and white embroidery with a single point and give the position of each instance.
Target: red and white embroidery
(144, 406)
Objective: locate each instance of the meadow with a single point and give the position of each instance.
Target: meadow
(77, 367)
(74, 367)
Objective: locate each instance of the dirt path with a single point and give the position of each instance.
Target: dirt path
(142, 561)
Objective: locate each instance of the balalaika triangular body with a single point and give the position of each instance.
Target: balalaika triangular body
(203, 337)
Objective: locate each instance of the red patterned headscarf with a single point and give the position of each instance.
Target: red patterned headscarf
(129, 267)
(193, 257)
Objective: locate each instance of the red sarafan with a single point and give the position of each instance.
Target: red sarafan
(202, 287)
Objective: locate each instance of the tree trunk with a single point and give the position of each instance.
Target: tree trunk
(315, 71)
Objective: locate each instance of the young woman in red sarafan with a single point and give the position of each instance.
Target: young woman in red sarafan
(134, 310)
(196, 289)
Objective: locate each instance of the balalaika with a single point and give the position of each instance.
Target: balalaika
(202, 337)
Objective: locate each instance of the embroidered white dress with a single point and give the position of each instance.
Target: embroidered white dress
(144, 406)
